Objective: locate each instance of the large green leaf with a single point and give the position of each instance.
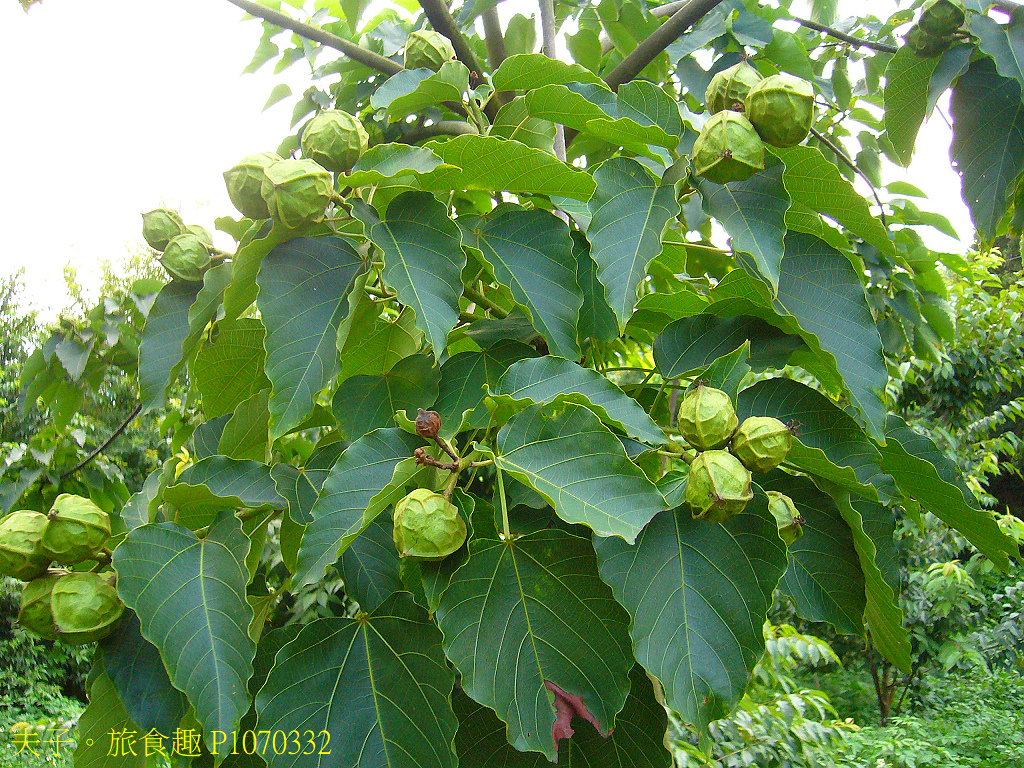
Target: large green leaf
(514, 121)
(246, 266)
(568, 456)
(692, 343)
(923, 473)
(189, 594)
(302, 300)
(136, 670)
(370, 475)
(166, 329)
(1004, 43)
(365, 403)
(554, 380)
(490, 163)
(105, 714)
(374, 344)
(638, 740)
(906, 99)
(531, 253)
(378, 684)
(753, 212)
(820, 288)
(245, 434)
(525, 71)
(824, 577)
(370, 567)
(464, 379)
(882, 611)
(525, 613)
(630, 212)
(813, 181)
(217, 483)
(988, 142)
(231, 369)
(411, 90)
(301, 485)
(423, 260)
(698, 594)
(596, 318)
(385, 161)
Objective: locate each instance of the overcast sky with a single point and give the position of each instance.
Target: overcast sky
(114, 107)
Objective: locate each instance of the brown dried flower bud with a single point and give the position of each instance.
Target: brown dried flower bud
(428, 424)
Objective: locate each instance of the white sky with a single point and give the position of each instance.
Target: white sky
(115, 107)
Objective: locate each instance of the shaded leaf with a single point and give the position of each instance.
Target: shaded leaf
(231, 369)
(370, 567)
(907, 78)
(217, 483)
(365, 403)
(693, 343)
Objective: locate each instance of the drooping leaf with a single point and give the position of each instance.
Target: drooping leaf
(370, 567)
(370, 475)
(630, 212)
(216, 483)
(365, 403)
(753, 212)
(525, 71)
(386, 161)
(231, 369)
(245, 434)
(698, 593)
(189, 594)
(554, 380)
(906, 99)
(411, 90)
(988, 141)
(521, 614)
(692, 343)
(378, 684)
(105, 715)
(302, 300)
(160, 348)
(241, 293)
(597, 320)
(531, 253)
(423, 260)
(568, 456)
(375, 344)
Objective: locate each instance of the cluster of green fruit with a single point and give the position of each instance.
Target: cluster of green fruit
(57, 604)
(719, 483)
(937, 27)
(747, 112)
(186, 249)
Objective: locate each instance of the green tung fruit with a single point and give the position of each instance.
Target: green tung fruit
(942, 18)
(244, 181)
(426, 49)
(21, 535)
(925, 44)
(335, 139)
(781, 107)
(718, 486)
(706, 418)
(762, 443)
(85, 607)
(729, 88)
(787, 517)
(201, 232)
(36, 614)
(428, 526)
(186, 258)
(76, 531)
(297, 192)
(728, 149)
(160, 226)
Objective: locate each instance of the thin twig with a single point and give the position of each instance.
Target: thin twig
(853, 166)
(440, 128)
(102, 446)
(478, 298)
(658, 41)
(308, 31)
(851, 39)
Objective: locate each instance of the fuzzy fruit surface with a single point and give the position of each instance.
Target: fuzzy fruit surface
(729, 88)
(186, 258)
(21, 536)
(781, 107)
(787, 517)
(428, 526)
(160, 226)
(718, 486)
(36, 615)
(334, 139)
(244, 181)
(761, 443)
(76, 531)
(942, 18)
(426, 49)
(706, 418)
(297, 192)
(85, 607)
(728, 149)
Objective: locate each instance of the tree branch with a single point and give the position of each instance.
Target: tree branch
(631, 66)
(851, 39)
(308, 31)
(496, 52)
(440, 128)
(102, 446)
(549, 47)
(659, 13)
(441, 20)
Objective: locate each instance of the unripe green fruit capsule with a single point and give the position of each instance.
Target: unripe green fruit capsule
(244, 182)
(941, 18)
(186, 258)
(426, 49)
(85, 607)
(717, 487)
(428, 526)
(36, 614)
(706, 418)
(297, 192)
(334, 139)
(728, 149)
(762, 443)
(729, 88)
(21, 553)
(781, 107)
(160, 226)
(925, 44)
(76, 531)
